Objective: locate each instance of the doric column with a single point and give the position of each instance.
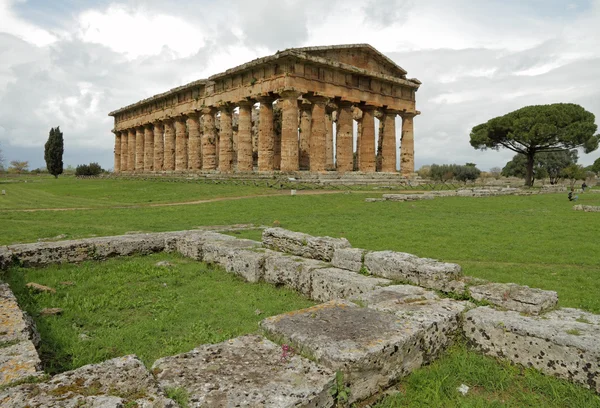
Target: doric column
(131, 150)
(357, 115)
(318, 134)
(289, 131)
(226, 138)
(209, 149)
(407, 153)
(244, 144)
(139, 149)
(159, 146)
(169, 161)
(367, 140)
(148, 147)
(117, 166)
(388, 146)
(330, 108)
(344, 140)
(194, 140)
(181, 153)
(304, 142)
(266, 142)
(124, 151)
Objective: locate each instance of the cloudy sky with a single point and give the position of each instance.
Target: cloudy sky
(68, 63)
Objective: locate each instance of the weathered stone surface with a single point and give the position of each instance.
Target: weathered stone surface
(248, 371)
(301, 244)
(349, 258)
(335, 283)
(248, 263)
(586, 208)
(5, 258)
(557, 343)
(407, 197)
(410, 268)
(18, 361)
(374, 200)
(372, 348)
(515, 297)
(126, 245)
(37, 288)
(292, 271)
(45, 253)
(51, 311)
(112, 384)
(218, 252)
(398, 294)
(191, 245)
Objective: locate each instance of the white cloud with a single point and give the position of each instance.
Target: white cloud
(12, 24)
(137, 32)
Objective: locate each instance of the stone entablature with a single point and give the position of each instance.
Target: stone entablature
(326, 82)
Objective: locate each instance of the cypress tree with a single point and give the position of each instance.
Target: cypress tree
(53, 152)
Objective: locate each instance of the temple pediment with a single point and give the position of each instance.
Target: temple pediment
(361, 56)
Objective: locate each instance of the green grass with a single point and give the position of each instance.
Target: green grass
(131, 306)
(70, 192)
(492, 384)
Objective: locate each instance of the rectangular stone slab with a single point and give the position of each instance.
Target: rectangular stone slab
(349, 258)
(17, 362)
(191, 245)
(335, 283)
(372, 348)
(119, 382)
(300, 244)
(563, 343)
(248, 371)
(292, 271)
(515, 297)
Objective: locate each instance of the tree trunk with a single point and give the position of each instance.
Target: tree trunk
(529, 173)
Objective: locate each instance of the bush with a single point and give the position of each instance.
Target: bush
(445, 172)
(92, 169)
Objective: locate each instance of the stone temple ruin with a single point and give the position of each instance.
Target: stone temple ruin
(304, 94)
(379, 319)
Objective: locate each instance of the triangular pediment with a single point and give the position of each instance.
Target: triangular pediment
(362, 56)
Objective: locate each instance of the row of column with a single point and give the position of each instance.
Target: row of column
(179, 144)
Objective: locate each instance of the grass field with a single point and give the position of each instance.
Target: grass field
(537, 240)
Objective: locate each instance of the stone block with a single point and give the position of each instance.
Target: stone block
(17, 362)
(6, 258)
(399, 294)
(191, 244)
(300, 244)
(248, 371)
(248, 263)
(219, 252)
(372, 348)
(335, 283)
(349, 258)
(292, 271)
(515, 297)
(557, 343)
(586, 208)
(119, 382)
(15, 324)
(46, 253)
(127, 245)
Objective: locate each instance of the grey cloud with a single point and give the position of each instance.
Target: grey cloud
(382, 13)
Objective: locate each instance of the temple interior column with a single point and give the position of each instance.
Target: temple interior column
(194, 140)
(289, 131)
(209, 148)
(388, 146)
(226, 138)
(407, 153)
(131, 150)
(304, 142)
(318, 134)
(159, 146)
(169, 160)
(367, 140)
(344, 140)
(357, 115)
(124, 152)
(329, 159)
(117, 151)
(244, 144)
(266, 142)
(181, 151)
(148, 147)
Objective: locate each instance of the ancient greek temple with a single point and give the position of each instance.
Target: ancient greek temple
(303, 109)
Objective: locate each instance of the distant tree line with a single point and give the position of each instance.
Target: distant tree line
(447, 172)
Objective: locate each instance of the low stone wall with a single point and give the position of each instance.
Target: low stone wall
(370, 329)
